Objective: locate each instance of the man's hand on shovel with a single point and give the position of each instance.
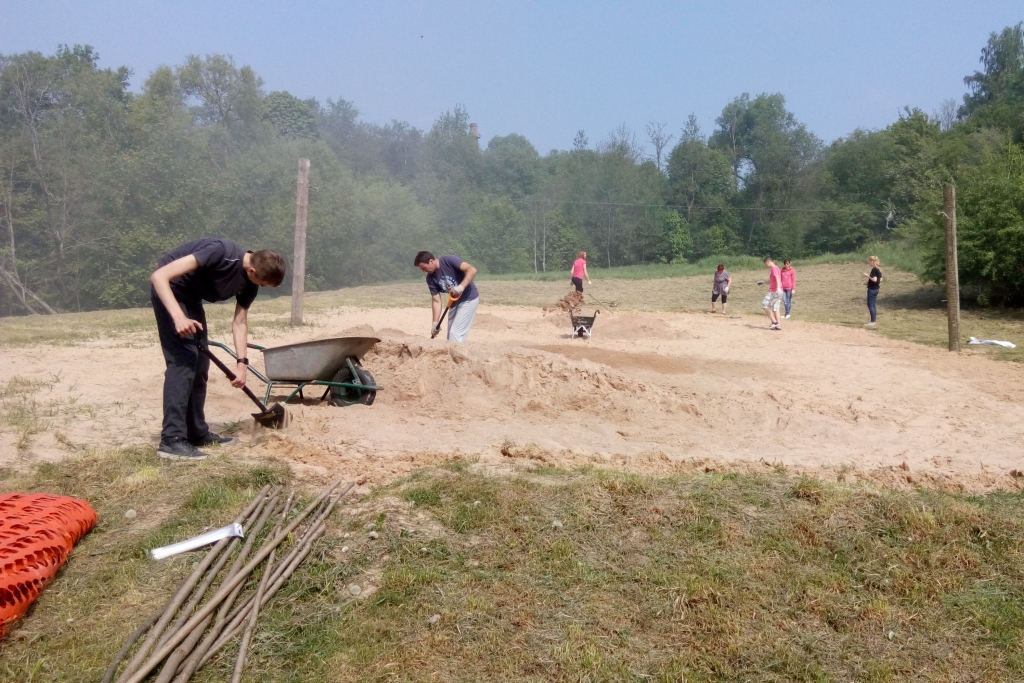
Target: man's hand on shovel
(241, 371)
(453, 295)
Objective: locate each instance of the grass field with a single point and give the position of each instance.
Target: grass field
(704, 577)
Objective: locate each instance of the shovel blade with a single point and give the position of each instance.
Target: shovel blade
(275, 417)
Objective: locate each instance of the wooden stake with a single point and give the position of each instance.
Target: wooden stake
(952, 271)
(299, 259)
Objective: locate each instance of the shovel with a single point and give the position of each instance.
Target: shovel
(274, 417)
(451, 300)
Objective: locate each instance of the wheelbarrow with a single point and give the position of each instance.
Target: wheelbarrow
(330, 363)
(581, 324)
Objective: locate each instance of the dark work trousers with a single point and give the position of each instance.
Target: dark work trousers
(186, 374)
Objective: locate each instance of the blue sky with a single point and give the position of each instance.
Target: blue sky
(548, 69)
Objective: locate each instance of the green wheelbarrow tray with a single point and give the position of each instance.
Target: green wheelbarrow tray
(330, 363)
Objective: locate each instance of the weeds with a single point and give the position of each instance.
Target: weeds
(699, 578)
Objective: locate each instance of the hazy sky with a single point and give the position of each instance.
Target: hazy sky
(548, 69)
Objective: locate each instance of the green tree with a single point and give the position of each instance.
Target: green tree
(996, 94)
(290, 116)
(511, 167)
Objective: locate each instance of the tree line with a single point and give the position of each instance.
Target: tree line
(97, 181)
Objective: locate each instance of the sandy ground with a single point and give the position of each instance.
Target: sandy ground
(651, 392)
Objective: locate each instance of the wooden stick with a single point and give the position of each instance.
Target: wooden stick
(154, 660)
(179, 654)
(232, 631)
(216, 639)
(243, 648)
(167, 613)
(197, 596)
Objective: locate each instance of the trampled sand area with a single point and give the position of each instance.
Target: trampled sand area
(652, 392)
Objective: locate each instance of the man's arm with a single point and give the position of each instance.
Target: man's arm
(470, 272)
(161, 281)
(240, 333)
(435, 310)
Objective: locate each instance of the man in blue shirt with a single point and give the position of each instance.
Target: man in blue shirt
(211, 270)
(450, 274)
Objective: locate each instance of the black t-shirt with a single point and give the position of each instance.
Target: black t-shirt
(219, 277)
(875, 273)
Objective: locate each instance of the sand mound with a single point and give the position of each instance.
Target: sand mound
(569, 303)
(635, 327)
(358, 331)
(491, 323)
(497, 380)
(390, 333)
(652, 392)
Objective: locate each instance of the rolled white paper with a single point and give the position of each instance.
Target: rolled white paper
(231, 530)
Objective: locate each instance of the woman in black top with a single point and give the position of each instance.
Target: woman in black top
(874, 282)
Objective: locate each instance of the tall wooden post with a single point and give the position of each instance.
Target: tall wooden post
(299, 260)
(952, 271)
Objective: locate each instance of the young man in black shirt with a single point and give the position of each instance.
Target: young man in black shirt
(211, 270)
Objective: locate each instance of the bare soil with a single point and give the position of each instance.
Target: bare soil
(654, 392)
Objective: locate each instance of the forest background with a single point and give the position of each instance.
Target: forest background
(97, 181)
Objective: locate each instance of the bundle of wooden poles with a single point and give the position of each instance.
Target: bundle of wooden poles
(187, 632)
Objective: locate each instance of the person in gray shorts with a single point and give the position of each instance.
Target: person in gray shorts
(773, 298)
(450, 274)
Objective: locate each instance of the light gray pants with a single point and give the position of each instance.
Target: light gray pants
(460, 319)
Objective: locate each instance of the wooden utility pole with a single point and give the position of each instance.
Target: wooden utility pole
(299, 261)
(952, 272)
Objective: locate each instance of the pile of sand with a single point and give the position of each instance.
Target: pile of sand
(651, 392)
(494, 380)
(570, 303)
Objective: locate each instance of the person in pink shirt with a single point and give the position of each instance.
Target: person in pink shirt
(579, 271)
(788, 285)
(773, 298)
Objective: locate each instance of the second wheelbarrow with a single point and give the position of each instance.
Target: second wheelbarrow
(582, 324)
(334, 364)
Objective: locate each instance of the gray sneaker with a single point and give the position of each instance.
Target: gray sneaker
(179, 449)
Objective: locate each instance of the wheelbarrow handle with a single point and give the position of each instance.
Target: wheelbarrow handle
(230, 375)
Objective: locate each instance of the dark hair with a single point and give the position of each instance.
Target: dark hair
(270, 267)
(786, 261)
(422, 257)
(767, 259)
(721, 266)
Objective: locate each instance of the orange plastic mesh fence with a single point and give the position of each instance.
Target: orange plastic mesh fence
(37, 532)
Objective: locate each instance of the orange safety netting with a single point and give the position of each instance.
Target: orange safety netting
(37, 532)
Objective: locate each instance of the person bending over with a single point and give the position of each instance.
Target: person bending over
(213, 270)
(450, 274)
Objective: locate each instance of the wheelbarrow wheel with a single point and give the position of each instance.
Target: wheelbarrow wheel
(347, 396)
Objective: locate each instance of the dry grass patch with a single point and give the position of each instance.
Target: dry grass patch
(561, 576)
(708, 577)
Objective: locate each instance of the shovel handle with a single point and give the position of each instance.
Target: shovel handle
(451, 300)
(231, 376)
